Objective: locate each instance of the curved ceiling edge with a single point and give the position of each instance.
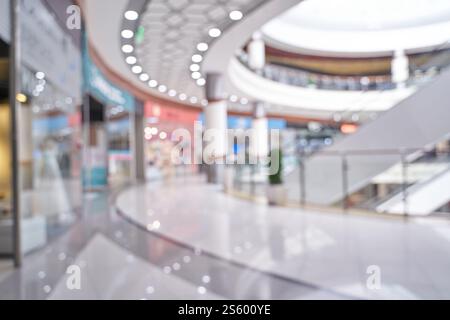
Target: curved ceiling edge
(306, 101)
(104, 41)
(222, 51)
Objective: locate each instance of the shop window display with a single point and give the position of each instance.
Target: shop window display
(107, 119)
(119, 148)
(49, 136)
(161, 121)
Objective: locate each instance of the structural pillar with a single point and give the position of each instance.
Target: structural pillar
(137, 143)
(259, 147)
(215, 135)
(260, 128)
(400, 68)
(256, 53)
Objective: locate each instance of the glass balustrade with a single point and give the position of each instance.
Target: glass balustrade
(409, 182)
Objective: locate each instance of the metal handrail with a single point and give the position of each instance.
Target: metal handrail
(372, 86)
(394, 151)
(346, 168)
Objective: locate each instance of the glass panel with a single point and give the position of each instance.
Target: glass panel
(6, 235)
(366, 186)
(119, 152)
(49, 123)
(323, 180)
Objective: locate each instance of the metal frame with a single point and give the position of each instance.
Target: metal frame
(14, 68)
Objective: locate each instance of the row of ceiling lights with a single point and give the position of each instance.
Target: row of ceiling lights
(195, 68)
(40, 87)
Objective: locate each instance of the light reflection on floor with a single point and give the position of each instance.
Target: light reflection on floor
(330, 251)
(188, 240)
(121, 261)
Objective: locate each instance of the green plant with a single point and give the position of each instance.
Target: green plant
(276, 161)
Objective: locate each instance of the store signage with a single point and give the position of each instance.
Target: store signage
(97, 85)
(48, 48)
(104, 90)
(168, 113)
(236, 122)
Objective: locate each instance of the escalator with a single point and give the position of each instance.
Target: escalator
(417, 122)
(423, 198)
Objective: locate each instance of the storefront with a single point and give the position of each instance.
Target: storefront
(162, 119)
(5, 159)
(48, 134)
(108, 125)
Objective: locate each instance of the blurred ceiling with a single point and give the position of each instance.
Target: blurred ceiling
(360, 27)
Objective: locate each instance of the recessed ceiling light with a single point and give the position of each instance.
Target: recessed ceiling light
(337, 117)
(244, 101)
(172, 93)
(182, 97)
(197, 58)
(193, 100)
(153, 83)
(215, 32)
(131, 60)
(144, 77)
(127, 34)
(131, 15)
(202, 47)
(196, 75)
(204, 102)
(40, 75)
(236, 15)
(194, 67)
(128, 48)
(136, 69)
(162, 88)
(233, 98)
(201, 82)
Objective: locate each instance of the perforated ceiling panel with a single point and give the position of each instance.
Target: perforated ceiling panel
(167, 36)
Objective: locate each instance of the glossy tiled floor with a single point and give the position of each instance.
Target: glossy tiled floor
(120, 275)
(317, 250)
(188, 240)
(119, 260)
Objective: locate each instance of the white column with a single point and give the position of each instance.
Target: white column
(215, 136)
(256, 52)
(216, 126)
(400, 68)
(259, 147)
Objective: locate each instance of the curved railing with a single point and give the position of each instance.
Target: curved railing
(306, 79)
(416, 168)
